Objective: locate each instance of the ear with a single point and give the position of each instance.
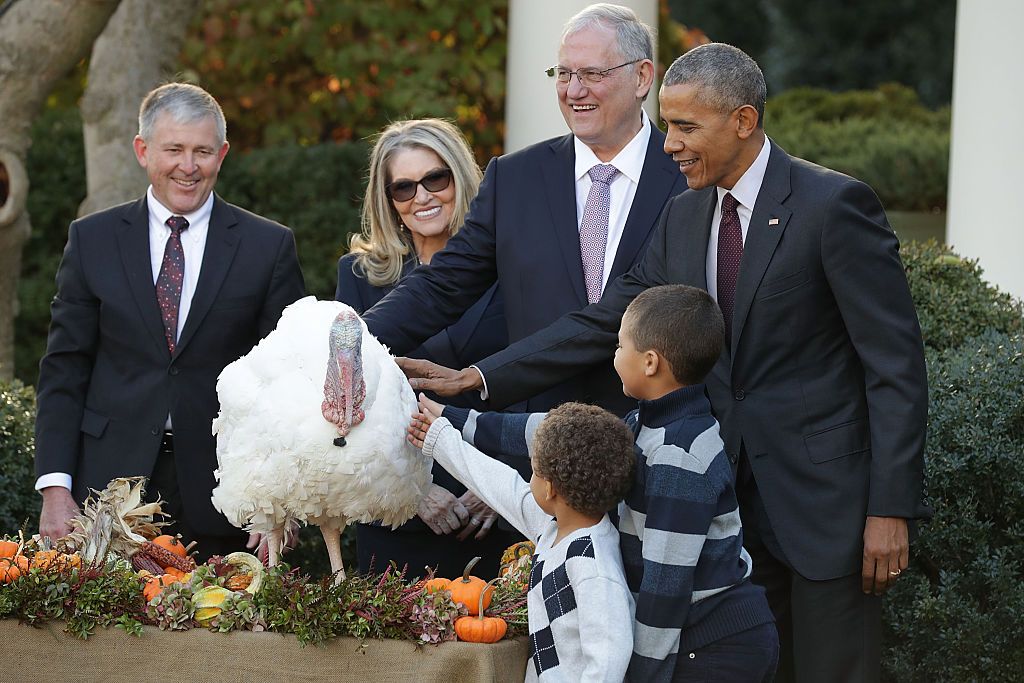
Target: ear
(223, 152)
(549, 490)
(746, 121)
(651, 362)
(140, 150)
(644, 78)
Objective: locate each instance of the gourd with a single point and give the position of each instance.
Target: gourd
(250, 572)
(8, 548)
(471, 590)
(481, 629)
(155, 585)
(11, 568)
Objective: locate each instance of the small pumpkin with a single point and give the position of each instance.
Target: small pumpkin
(471, 590)
(176, 573)
(8, 548)
(55, 560)
(436, 585)
(156, 584)
(481, 629)
(11, 568)
(171, 543)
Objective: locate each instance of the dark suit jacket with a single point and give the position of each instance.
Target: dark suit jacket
(108, 382)
(824, 383)
(521, 232)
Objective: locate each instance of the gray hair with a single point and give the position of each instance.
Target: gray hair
(184, 103)
(635, 38)
(383, 242)
(726, 78)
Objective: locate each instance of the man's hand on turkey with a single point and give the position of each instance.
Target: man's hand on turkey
(426, 376)
(481, 517)
(442, 511)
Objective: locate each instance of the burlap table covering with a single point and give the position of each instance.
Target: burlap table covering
(111, 655)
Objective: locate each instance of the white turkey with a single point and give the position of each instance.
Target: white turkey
(312, 430)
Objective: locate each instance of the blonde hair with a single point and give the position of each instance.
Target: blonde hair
(383, 243)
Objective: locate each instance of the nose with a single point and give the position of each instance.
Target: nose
(188, 162)
(423, 195)
(673, 143)
(575, 88)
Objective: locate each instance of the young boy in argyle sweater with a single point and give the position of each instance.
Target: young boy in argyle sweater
(698, 616)
(580, 608)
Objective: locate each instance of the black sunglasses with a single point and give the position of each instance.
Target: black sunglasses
(404, 190)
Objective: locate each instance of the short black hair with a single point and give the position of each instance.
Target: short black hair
(682, 324)
(587, 454)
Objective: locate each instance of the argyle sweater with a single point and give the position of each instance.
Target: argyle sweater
(680, 533)
(580, 611)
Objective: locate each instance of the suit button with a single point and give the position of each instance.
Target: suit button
(739, 395)
(174, 371)
(732, 458)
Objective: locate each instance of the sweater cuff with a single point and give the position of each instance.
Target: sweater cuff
(457, 416)
(433, 434)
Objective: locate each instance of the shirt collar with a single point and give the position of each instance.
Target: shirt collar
(630, 159)
(161, 213)
(749, 185)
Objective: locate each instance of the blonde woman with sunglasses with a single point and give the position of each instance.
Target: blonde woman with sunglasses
(422, 178)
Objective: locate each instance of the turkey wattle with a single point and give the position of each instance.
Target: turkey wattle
(312, 430)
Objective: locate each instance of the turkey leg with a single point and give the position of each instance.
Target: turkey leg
(332, 538)
(275, 542)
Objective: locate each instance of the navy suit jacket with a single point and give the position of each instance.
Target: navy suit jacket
(108, 382)
(522, 232)
(824, 384)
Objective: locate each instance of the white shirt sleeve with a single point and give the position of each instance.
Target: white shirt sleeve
(606, 629)
(53, 479)
(494, 482)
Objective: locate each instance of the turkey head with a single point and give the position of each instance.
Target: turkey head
(344, 389)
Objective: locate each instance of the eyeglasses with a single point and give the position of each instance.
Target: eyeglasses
(404, 190)
(587, 77)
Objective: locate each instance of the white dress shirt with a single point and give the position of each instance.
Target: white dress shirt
(745, 192)
(630, 163)
(193, 244)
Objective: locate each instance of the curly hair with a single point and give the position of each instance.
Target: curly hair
(587, 455)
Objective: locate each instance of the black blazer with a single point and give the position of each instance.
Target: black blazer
(521, 232)
(107, 381)
(824, 383)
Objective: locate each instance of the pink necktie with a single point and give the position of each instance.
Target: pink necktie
(594, 227)
(168, 282)
(730, 251)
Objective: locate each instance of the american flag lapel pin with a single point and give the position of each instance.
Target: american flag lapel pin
(773, 221)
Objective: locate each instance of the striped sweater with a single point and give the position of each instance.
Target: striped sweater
(680, 533)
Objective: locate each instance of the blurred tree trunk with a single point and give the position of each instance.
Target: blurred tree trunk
(40, 40)
(147, 34)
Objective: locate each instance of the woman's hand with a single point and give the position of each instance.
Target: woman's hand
(481, 517)
(442, 511)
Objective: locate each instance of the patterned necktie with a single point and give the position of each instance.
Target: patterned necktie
(594, 227)
(730, 251)
(168, 282)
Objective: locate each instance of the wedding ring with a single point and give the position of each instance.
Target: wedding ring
(896, 573)
(474, 521)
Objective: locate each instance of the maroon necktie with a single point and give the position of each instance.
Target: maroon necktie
(730, 251)
(168, 282)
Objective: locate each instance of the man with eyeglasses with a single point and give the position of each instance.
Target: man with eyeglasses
(555, 222)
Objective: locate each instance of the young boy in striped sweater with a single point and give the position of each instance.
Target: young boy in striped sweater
(698, 616)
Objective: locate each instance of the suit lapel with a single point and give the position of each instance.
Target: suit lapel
(133, 243)
(695, 267)
(763, 235)
(657, 179)
(221, 244)
(560, 188)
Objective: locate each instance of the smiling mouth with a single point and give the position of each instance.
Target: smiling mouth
(583, 107)
(186, 183)
(686, 163)
(428, 213)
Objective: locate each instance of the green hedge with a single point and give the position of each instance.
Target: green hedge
(19, 504)
(884, 137)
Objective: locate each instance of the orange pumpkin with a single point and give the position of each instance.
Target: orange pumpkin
(55, 560)
(171, 543)
(471, 590)
(481, 629)
(13, 567)
(8, 548)
(155, 585)
(436, 585)
(176, 573)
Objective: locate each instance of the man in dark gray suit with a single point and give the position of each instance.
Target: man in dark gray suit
(154, 298)
(821, 391)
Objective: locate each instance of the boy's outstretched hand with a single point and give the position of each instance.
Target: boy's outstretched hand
(421, 420)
